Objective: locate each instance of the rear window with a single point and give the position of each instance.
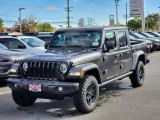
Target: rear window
(122, 38)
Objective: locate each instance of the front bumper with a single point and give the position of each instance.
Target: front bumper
(47, 87)
(4, 75)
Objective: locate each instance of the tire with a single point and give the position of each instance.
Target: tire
(86, 99)
(22, 99)
(137, 78)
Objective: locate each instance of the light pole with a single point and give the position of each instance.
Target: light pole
(116, 1)
(143, 17)
(126, 15)
(20, 18)
(159, 20)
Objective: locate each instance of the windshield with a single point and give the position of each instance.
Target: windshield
(139, 35)
(2, 47)
(33, 42)
(82, 38)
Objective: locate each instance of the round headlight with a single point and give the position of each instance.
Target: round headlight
(25, 66)
(63, 67)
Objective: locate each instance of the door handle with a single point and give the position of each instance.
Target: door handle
(127, 53)
(118, 55)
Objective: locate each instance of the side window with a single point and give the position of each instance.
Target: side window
(110, 39)
(122, 38)
(4, 41)
(15, 44)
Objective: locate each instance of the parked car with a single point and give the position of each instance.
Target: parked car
(149, 43)
(148, 35)
(3, 33)
(27, 44)
(2, 47)
(45, 36)
(155, 34)
(78, 62)
(155, 41)
(7, 59)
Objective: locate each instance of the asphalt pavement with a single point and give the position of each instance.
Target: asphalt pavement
(117, 101)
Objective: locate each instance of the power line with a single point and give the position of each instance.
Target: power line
(87, 12)
(31, 6)
(100, 2)
(8, 16)
(54, 18)
(9, 21)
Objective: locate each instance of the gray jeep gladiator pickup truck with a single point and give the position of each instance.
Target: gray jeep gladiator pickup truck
(78, 61)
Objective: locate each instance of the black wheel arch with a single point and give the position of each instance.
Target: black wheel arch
(87, 69)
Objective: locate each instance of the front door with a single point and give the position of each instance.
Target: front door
(111, 60)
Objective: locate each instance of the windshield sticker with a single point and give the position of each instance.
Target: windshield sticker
(95, 43)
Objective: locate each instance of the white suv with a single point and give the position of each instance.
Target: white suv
(31, 45)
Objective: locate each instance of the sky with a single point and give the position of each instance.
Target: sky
(54, 10)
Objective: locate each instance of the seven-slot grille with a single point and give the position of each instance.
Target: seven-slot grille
(40, 70)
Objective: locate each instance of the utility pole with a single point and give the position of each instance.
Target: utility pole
(68, 9)
(68, 14)
(20, 18)
(116, 2)
(147, 21)
(126, 15)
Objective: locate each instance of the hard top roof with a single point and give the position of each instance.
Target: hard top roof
(92, 28)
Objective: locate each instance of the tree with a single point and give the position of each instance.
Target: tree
(44, 27)
(1, 25)
(134, 24)
(152, 21)
(29, 25)
(81, 22)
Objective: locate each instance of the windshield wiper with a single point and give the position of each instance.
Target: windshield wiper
(77, 46)
(57, 46)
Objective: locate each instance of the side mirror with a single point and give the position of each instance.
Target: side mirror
(21, 47)
(104, 48)
(46, 45)
(109, 45)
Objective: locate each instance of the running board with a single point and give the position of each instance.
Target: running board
(112, 80)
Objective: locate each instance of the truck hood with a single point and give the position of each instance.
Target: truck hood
(78, 57)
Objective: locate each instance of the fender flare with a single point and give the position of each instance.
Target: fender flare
(136, 57)
(83, 68)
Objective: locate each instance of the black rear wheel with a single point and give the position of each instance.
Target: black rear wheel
(137, 78)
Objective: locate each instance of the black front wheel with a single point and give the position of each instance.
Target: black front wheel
(137, 78)
(86, 99)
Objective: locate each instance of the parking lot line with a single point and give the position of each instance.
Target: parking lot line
(5, 93)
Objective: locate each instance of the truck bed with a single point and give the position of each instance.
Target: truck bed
(139, 46)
